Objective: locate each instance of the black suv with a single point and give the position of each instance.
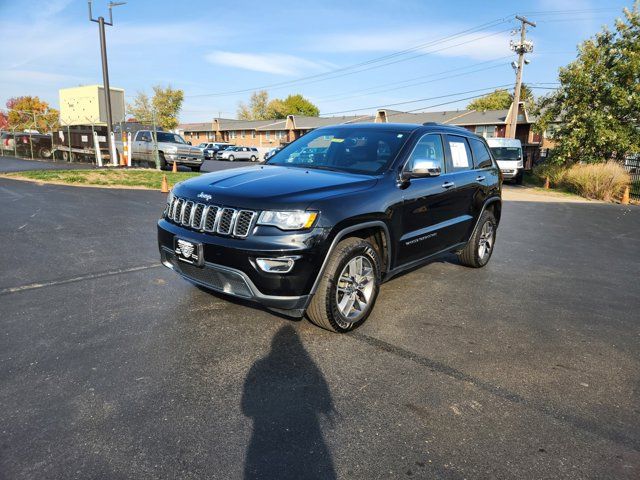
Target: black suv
(327, 219)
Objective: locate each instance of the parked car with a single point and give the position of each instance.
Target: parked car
(211, 149)
(238, 153)
(319, 234)
(508, 153)
(272, 152)
(26, 143)
(171, 148)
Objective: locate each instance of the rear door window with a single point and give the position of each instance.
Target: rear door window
(460, 158)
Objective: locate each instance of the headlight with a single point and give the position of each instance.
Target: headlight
(288, 220)
(520, 164)
(171, 149)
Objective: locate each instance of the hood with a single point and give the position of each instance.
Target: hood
(267, 187)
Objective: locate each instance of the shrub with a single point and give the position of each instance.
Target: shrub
(602, 181)
(555, 173)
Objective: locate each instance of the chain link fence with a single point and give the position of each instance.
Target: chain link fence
(36, 137)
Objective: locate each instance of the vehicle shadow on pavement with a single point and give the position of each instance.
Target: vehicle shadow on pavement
(285, 394)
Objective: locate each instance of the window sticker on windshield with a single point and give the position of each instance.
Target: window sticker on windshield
(459, 155)
(337, 140)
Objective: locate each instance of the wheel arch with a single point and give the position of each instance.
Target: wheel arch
(377, 230)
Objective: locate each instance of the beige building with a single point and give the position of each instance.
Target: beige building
(87, 105)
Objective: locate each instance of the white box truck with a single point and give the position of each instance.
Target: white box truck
(508, 154)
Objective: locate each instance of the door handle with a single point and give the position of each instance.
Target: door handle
(448, 185)
(480, 178)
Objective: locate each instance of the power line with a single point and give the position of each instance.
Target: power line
(415, 84)
(419, 100)
(431, 43)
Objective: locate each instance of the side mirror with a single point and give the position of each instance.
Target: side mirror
(423, 167)
(189, 143)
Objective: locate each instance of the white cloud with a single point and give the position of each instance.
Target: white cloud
(276, 63)
(481, 45)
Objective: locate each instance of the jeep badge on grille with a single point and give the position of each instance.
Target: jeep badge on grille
(205, 196)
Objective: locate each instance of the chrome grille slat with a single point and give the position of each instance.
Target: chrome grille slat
(212, 219)
(225, 224)
(187, 210)
(244, 219)
(196, 222)
(178, 210)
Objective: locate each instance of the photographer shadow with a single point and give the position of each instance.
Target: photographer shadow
(285, 394)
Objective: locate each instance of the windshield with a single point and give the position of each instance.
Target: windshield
(506, 153)
(362, 150)
(169, 137)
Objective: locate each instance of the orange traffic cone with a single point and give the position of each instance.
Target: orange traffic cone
(175, 167)
(625, 196)
(164, 188)
(546, 183)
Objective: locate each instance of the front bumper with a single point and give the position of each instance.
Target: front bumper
(184, 159)
(230, 264)
(508, 174)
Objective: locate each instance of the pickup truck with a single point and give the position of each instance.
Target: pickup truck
(171, 148)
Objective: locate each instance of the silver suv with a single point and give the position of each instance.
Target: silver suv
(238, 153)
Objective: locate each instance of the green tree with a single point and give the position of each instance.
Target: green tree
(293, 105)
(502, 99)
(596, 110)
(31, 113)
(260, 108)
(257, 109)
(165, 106)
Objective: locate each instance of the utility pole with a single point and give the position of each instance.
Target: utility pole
(524, 46)
(105, 68)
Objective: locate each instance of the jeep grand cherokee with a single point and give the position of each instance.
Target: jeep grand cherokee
(331, 216)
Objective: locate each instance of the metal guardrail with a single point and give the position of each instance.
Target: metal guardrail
(632, 166)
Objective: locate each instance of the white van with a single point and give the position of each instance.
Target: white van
(508, 153)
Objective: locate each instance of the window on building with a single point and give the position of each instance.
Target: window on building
(487, 131)
(253, 134)
(232, 134)
(266, 134)
(280, 134)
(241, 133)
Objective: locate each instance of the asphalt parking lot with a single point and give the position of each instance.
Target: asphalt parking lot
(113, 367)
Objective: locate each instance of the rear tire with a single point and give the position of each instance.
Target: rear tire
(44, 153)
(253, 158)
(348, 287)
(478, 251)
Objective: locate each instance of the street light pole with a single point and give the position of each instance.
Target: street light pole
(105, 67)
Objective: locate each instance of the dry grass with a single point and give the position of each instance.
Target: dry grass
(600, 181)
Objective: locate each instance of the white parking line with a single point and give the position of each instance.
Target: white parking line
(91, 276)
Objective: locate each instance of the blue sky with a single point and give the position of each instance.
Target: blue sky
(212, 49)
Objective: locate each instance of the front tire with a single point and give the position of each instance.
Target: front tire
(196, 169)
(163, 161)
(231, 158)
(478, 251)
(348, 287)
(253, 158)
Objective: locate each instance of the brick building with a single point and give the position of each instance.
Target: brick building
(268, 134)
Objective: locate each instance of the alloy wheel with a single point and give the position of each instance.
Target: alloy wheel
(354, 289)
(485, 245)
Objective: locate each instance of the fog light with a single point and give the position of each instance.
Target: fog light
(276, 265)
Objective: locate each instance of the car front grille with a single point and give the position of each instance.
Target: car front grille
(211, 218)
